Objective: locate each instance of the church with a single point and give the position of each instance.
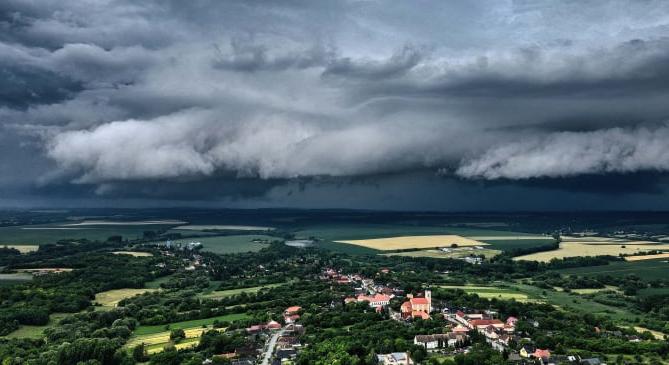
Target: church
(417, 307)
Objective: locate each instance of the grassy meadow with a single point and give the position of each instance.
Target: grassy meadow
(367, 238)
(36, 332)
(16, 278)
(490, 292)
(110, 298)
(646, 269)
(95, 231)
(196, 323)
(228, 244)
(219, 294)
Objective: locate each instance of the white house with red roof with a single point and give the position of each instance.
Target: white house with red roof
(376, 300)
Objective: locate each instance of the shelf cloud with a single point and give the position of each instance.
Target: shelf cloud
(100, 96)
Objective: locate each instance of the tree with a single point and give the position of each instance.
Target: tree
(139, 353)
(177, 335)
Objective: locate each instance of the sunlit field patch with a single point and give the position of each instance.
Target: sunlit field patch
(648, 257)
(438, 254)
(133, 253)
(110, 298)
(23, 248)
(417, 242)
(575, 249)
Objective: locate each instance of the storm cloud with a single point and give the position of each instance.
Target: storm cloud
(104, 96)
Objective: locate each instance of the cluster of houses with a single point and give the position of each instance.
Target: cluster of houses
(379, 296)
(497, 333)
(287, 344)
(500, 335)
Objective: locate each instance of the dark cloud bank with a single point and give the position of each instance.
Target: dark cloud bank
(357, 104)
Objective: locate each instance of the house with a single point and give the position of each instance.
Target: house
(460, 329)
(417, 307)
(527, 350)
(441, 340)
(376, 300)
(292, 310)
(511, 321)
(482, 324)
(273, 325)
(292, 318)
(296, 329)
(395, 358)
(255, 328)
(541, 354)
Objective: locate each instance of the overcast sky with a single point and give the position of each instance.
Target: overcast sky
(458, 105)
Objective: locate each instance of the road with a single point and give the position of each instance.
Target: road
(270, 347)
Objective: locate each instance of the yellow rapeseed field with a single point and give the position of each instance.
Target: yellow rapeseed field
(574, 249)
(408, 242)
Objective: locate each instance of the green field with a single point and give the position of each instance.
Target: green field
(646, 269)
(577, 302)
(218, 294)
(490, 292)
(148, 330)
(155, 284)
(36, 331)
(17, 278)
(498, 240)
(110, 298)
(228, 244)
(42, 234)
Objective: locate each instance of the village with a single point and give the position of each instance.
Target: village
(461, 328)
(461, 324)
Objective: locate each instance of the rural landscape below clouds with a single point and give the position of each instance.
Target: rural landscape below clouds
(354, 182)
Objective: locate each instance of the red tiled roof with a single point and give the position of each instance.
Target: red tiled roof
(417, 301)
(542, 353)
(273, 325)
(293, 309)
(485, 322)
(375, 298)
(420, 314)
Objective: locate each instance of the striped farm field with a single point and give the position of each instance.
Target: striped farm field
(156, 342)
(415, 242)
(648, 257)
(196, 323)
